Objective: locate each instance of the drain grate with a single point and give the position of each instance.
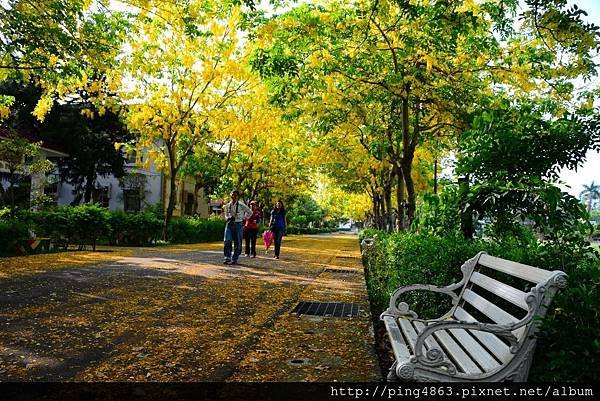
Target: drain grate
(341, 271)
(327, 309)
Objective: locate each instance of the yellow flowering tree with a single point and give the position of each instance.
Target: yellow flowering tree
(61, 46)
(416, 70)
(184, 74)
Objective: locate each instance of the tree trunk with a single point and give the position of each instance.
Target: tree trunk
(375, 201)
(400, 198)
(408, 154)
(410, 188)
(172, 191)
(388, 208)
(387, 198)
(170, 205)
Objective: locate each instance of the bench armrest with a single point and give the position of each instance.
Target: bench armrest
(397, 309)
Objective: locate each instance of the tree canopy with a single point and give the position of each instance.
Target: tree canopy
(371, 95)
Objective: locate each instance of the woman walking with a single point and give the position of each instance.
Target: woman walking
(278, 224)
(251, 230)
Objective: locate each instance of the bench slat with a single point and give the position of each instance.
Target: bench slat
(475, 350)
(398, 344)
(489, 340)
(492, 311)
(429, 341)
(410, 333)
(504, 291)
(456, 353)
(526, 272)
(484, 306)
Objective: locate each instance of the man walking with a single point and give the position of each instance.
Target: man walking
(235, 213)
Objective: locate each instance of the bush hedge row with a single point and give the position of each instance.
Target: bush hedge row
(570, 331)
(88, 224)
(291, 229)
(187, 230)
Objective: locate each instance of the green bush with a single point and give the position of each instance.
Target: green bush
(58, 224)
(439, 214)
(91, 222)
(12, 230)
(405, 258)
(569, 346)
(292, 229)
(82, 224)
(187, 230)
(138, 229)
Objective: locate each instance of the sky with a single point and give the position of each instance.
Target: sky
(590, 171)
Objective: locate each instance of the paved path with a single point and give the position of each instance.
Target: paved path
(178, 314)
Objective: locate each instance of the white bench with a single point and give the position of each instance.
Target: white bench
(478, 339)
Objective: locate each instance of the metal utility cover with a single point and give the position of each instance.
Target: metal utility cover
(341, 271)
(327, 309)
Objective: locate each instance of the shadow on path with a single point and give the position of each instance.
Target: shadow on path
(179, 314)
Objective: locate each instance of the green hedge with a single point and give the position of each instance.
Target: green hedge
(307, 230)
(11, 230)
(570, 331)
(569, 345)
(188, 230)
(138, 229)
(401, 259)
(87, 224)
(81, 225)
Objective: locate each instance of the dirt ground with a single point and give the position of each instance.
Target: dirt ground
(178, 314)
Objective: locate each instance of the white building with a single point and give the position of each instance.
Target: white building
(138, 189)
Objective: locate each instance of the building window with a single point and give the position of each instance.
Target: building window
(52, 185)
(189, 203)
(102, 195)
(132, 200)
(134, 191)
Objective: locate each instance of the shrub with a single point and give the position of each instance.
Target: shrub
(82, 224)
(12, 230)
(91, 222)
(439, 214)
(58, 224)
(405, 258)
(292, 229)
(569, 346)
(187, 230)
(137, 229)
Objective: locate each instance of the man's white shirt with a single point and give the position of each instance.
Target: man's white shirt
(243, 211)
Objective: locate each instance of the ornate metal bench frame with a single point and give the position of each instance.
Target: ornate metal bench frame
(425, 360)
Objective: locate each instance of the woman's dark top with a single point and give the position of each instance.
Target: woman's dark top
(278, 219)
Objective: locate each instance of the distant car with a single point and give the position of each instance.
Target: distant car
(345, 226)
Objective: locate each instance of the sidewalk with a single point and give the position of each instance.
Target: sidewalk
(178, 314)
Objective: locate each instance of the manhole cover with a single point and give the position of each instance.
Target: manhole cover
(341, 271)
(299, 362)
(332, 309)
